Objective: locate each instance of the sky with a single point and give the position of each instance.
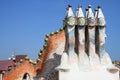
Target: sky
(24, 24)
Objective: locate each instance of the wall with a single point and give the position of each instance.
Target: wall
(18, 72)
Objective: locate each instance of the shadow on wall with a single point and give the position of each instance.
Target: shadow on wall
(49, 72)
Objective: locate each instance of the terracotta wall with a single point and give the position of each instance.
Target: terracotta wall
(18, 72)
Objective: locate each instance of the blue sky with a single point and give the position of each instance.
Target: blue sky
(24, 24)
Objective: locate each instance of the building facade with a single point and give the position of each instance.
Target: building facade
(78, 47)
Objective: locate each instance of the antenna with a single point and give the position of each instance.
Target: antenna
(14, 52)
(13, 56)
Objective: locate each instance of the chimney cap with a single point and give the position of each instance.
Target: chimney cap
(96, 9)
(89, 6)
(77, 9)
(86, 9)
(69, 5)
(99, 7)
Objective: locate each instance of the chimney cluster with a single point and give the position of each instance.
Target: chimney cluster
(90, 19)
(84, 30)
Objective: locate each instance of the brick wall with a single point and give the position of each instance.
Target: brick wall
(18, 72)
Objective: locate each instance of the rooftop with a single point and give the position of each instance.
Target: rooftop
(4, 64)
